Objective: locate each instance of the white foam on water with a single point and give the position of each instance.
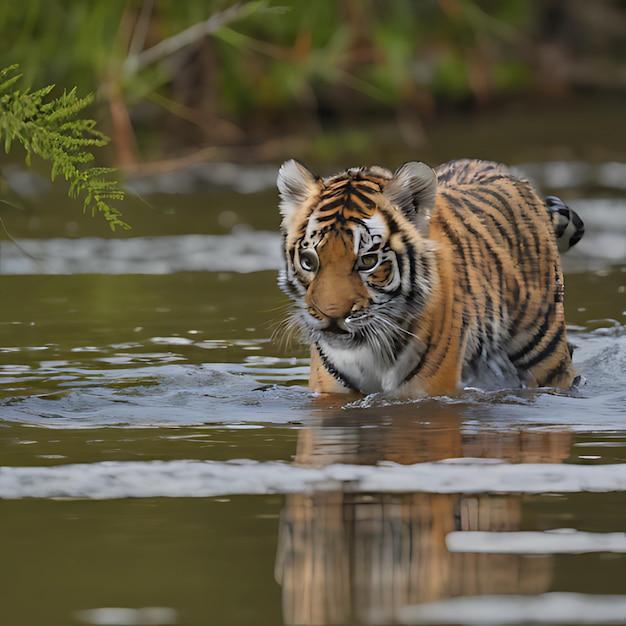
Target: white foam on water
(245, 251)
(187, 478)
(556, 541)
(547, 608)
(123, 616)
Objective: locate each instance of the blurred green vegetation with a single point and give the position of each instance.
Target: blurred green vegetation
(218, 73)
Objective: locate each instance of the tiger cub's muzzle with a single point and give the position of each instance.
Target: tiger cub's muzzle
(331, 319)
(336, 300)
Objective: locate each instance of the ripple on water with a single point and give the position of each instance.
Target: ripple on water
(161, 388)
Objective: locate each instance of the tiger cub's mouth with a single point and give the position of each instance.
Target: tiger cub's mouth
(336, 326)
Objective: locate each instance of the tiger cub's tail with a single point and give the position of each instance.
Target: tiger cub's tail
(568, 227)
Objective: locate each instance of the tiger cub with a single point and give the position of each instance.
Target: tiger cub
(424, 281)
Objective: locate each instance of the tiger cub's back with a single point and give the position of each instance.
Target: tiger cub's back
(567, 224)
(508, 280)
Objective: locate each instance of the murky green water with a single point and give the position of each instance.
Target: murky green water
(158, 449)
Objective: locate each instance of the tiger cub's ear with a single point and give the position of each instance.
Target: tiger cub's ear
(296, 183)
(412, 189)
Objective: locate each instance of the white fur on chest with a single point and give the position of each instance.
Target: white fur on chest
(365, 370)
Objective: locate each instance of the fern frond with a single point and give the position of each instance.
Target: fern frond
(54, 130)
(10, 81)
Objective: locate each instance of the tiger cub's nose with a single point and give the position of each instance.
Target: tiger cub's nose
(335, 310)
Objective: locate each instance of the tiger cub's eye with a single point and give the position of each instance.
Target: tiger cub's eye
(367, 262)
(308, 260)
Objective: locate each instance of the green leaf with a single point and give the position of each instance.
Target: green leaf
(53, 130)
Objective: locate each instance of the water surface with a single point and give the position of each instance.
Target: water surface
(164, 463)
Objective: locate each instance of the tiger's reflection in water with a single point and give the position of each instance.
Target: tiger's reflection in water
(344, 557)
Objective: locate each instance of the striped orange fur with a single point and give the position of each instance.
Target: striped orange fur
(424, 281)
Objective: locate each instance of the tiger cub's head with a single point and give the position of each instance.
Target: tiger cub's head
(358, 261)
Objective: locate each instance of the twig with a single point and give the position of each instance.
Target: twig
(17, 245)
(135, 62)
(140, 33)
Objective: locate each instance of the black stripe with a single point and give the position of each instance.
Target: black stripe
(547, 349)
(425, 270)
(503, 201)
(443, 351)
(475, 356)
(416, 370)
(480, 277)
(532, 201)
(335, 373)
(536, 339)
(545, 311)
(337, 186)
(520, 314)
(503, 206)
(479, 236)
(367, 200)
(556, 371)
(331, 205)
(462, 265)
(489, 317)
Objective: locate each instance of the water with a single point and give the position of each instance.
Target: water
(163, 462)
